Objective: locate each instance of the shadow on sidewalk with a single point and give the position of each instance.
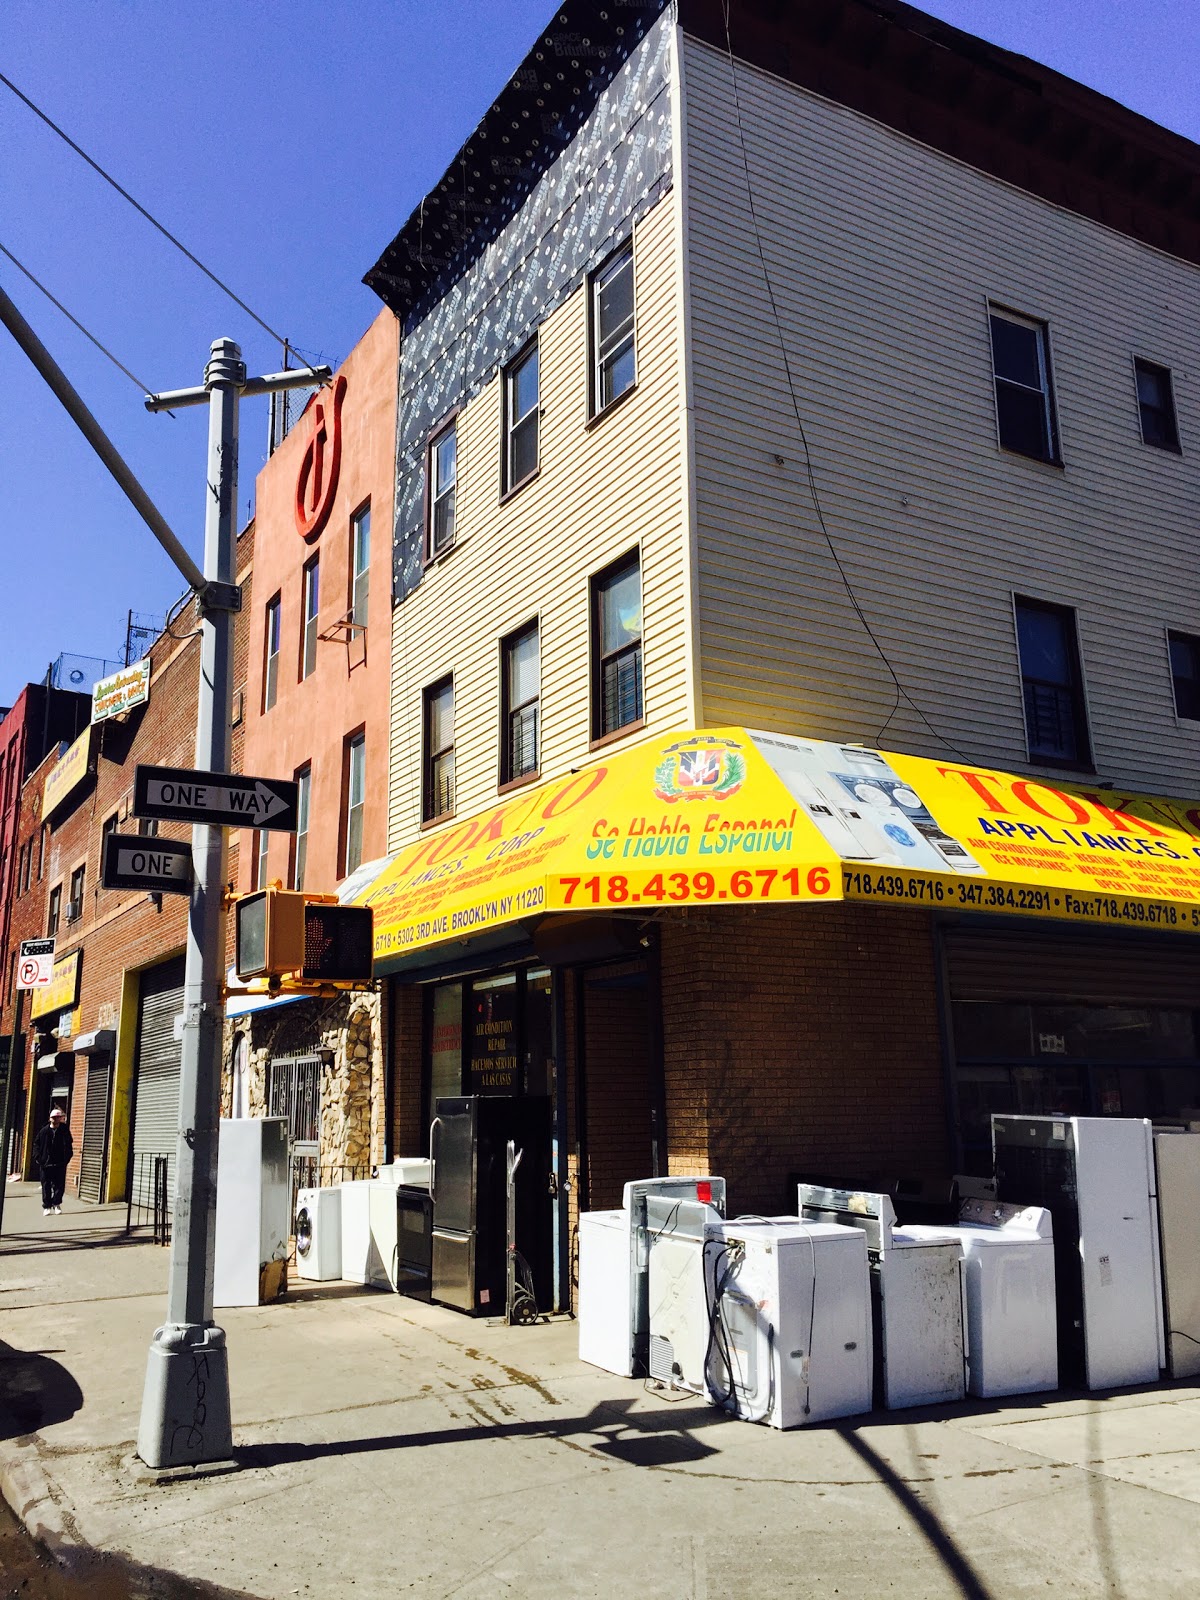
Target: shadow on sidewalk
(17, 1244)
(641, 1440)
(35, 1392)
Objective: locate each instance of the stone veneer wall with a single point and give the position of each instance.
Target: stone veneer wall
(352, 1080)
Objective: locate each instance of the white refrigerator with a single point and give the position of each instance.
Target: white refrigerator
(1095, 1175)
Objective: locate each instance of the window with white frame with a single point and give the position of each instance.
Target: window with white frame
(355, 799)
(360, 565)
(520, 692)
(300, 838)
(617, 646)
(443, 488)
(614, 362)
(1156, 405)
(1025, 417)
(521, 382)
(271, 654)
(312, 603)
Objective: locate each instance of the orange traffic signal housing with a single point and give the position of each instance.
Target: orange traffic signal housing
(311, 936)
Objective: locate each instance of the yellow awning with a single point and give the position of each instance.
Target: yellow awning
(731, 815)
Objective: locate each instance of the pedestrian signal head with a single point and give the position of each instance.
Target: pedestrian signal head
(281, 932)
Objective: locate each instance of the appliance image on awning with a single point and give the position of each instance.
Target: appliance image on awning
(734, 816)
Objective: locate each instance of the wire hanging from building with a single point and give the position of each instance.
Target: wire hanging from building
(901, 693)
(151, 219)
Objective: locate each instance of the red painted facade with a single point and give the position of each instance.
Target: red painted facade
(337, 462)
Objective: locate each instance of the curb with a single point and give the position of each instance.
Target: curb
(36, 1500)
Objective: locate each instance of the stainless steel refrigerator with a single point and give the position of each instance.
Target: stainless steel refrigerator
(467, 1142)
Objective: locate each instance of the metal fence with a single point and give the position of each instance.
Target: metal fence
(151, 1195)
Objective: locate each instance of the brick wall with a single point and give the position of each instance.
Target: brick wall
(801, 1039)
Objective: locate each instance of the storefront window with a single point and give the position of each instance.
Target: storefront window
(445, 1043)
(493, 1024)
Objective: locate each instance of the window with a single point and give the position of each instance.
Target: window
(148, 827)
(360, 565)
(1156, 405)
(263, 837)
(55, 911)
(26, 865)
(614, 366)
(617, 647)
(521, 419)
(109, 827)
(1024, 404)
(443, 479)
(42, 850)
(300, 837)
(1052, 684)
(520, 691)
(308, 628)
(271, 656)
(438, 798)
(355, 767)
(1185, 674)
(75, 897)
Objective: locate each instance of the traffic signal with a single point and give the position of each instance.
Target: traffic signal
(311, 937)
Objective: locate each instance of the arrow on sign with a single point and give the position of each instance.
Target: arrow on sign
(215, 797)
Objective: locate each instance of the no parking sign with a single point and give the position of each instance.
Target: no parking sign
(35, 963)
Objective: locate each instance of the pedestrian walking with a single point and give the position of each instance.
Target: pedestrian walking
(52, 1150)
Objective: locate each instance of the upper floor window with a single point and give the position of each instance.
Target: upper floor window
(617, 646)
(614, 364)
(1024, 399)
(271, 655)
(300, 837)
(1185, 674)
(443, 482)
(75, 897)
(261, 857)
(520, 691)
(54, 910)
(1056, 728)
(308, 629)
(438, 796)
(1156, 405)
(360, 565)
(521, 418)
(355, 798)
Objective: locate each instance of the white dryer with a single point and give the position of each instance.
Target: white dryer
(1008, 1296)
(319, 1234)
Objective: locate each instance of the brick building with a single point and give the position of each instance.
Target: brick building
(105, 1040)
(31, 730)
(317, 705)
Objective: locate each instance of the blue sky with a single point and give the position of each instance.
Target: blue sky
(284, 144)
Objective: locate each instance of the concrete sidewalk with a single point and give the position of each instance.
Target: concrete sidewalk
(391, 1447)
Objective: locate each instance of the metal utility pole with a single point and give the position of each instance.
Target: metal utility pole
(185, 1417)
(185, 1406)
(10, 1097)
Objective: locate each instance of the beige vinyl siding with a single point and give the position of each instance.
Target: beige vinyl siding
(600, 491)
(883, 257)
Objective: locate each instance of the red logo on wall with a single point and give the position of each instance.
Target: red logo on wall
(316, 482)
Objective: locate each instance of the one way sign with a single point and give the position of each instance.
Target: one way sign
(177, 795)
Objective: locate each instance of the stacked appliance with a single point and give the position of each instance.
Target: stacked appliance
(467, 1147)
(1177, 1170)
(1096, 1177)
(319, 1234)
(613, 1272)
(1008, 1295)
(355, 1219)
(768, 1317)
(253, 1211)
(916, 1296)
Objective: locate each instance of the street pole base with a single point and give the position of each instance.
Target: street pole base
(185, 1405)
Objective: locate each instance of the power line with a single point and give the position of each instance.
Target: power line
(901, 693)
(152, 220)
(133, 378)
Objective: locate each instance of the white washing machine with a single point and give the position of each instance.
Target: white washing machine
(916, 1296)
(1008, 1295)
(796, 1315)
(319, 1234)
(356, 1230)
(613, 1266)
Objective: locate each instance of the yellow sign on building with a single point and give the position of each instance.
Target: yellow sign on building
(70, 770)
(732, 816)
(62, 991)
